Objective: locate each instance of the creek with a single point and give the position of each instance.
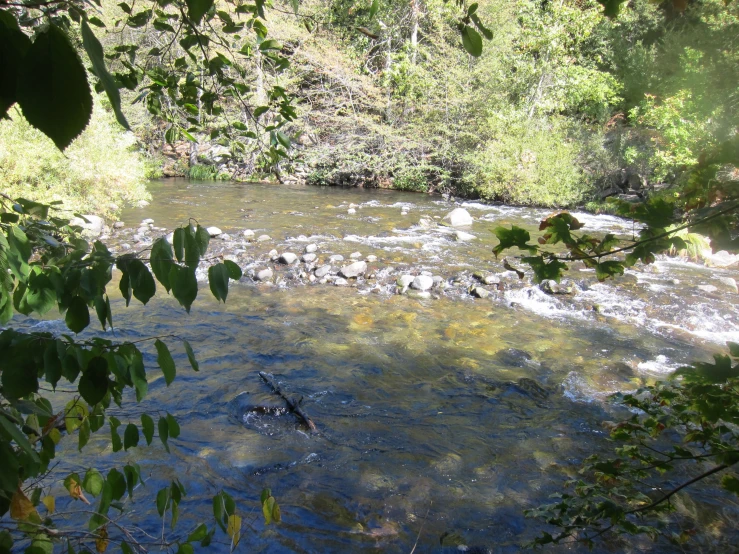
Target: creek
(439, 417)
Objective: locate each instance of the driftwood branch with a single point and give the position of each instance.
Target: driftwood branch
(291, 403)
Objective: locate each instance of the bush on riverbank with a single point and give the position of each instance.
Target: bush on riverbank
(99, 173)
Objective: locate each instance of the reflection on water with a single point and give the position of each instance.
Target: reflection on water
(435, 416)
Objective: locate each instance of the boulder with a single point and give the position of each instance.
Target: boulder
(214, 231)
(354, 270)
(458, 217)
(92, 225)
(422, 283)
(729, 282)
(287, 258)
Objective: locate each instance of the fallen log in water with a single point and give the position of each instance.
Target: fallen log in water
(292, 404)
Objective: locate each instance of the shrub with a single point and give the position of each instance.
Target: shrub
(99, 172)
(532, 162)
(411, 179)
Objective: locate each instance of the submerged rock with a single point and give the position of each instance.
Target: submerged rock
(513, 357)
(461, 236)
(458, 217)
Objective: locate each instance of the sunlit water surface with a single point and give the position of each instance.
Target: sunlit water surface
(435, 416)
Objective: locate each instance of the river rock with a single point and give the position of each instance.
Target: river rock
(310, 248)
(142, 230)
(404, 281)
(422, 282)
(723, 259)
(264, 274)
(339, 282)
(371, 258)
(119, 225)
(249, 234)
(263, 238)
(479, 292)
(273, 255)
(438, 280)
(458, 217)
(729, 282)
(214, 231)
(308, 258)
(147, 221)
(707, 288)
(92, 225)
(323, 271)
(351, 211)
(353, 270)
(287, 258)
(336, 258)
(224, 236)
(461, 236)
(355, 255)
(422, 294)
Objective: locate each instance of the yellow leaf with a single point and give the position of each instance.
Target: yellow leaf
(50, 503)
(75, 491)
(101, 543)
(276, 513)
(21, 508)
(234, 528)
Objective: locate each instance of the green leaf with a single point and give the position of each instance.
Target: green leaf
(730, 483)
(13, 47)
(218, 281)
(78, 315)
(52, 87)
(515, 236)
(270, 44)
(95, 52)
(191, 356)
(147, 426)
(93, 482)
(184, 285)
(163, 428)
(178, 241)
(472, 41)
(162, 500)
(545, 270)
(374, 8)
(202, 238)
(196, 9)
(93, 384)
(717, 373)
(259, 110)
(165, 361)
(19, 380)
(130, 436)
(604, 270)
(117, 483)
(733, 349)
(234, 271)
(142, 282)
(173, 426)
(84, 434)
(75, 412)
(19, 437)
(200, 532)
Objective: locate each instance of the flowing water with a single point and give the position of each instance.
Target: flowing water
(438, 417)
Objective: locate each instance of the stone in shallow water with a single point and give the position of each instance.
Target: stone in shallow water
(371, 258)
(264, 274)
(310, 248)
(458, 217)
(339, 282)
(248, 234)
(461, 236)
(353, 270)
(323, 271)
(336, 258)
(308, 258)
(287, 258)
(263, 238)
(422, 283)
(214, 231)
(351, 211)
(355, 255)
(479, 292)
(119, 225)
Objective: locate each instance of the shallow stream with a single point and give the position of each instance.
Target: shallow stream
(439, 417)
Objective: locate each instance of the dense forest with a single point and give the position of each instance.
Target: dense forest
(562, 107)
(465, 379)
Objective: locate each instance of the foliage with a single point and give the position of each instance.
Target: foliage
(686, 425)
(99, 171)
(201, 172)
(48, 266)
(411, 179)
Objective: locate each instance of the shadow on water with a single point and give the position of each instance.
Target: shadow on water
(434, 420)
